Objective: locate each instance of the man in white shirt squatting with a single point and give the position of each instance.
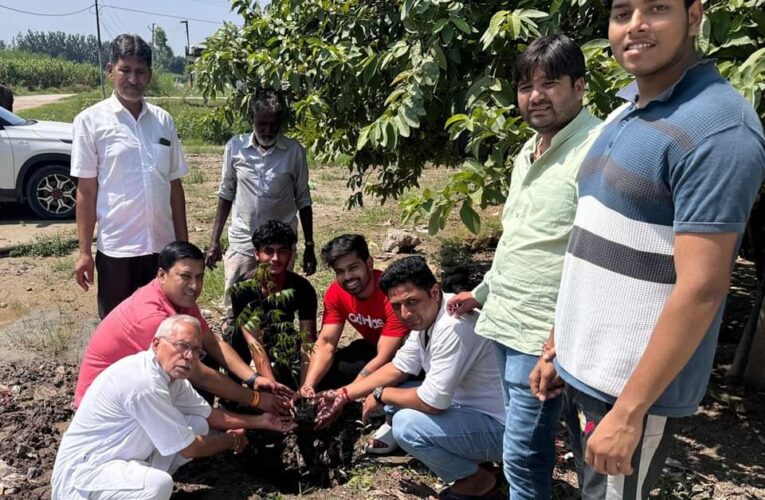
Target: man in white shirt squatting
(128, 159)
(454, 420)
(141, 420)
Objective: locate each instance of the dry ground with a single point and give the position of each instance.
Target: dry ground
(45, 321)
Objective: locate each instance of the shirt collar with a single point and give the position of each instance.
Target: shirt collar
(631, 92)
(563, 134)
(117, 106)
(151, 359)
(280, 142)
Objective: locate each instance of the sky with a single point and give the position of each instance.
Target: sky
(204, 17)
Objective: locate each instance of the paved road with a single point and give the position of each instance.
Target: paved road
(32, 101)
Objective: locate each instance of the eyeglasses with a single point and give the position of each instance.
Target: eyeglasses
(185, 349)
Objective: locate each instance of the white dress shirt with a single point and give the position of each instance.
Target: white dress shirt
(134, 161)
(460, 367)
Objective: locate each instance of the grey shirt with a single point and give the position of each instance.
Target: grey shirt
(263, 185)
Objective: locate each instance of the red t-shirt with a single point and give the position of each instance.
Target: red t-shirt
(128, 329)
(371, 317)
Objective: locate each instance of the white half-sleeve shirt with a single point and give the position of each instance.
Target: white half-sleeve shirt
(134, 161)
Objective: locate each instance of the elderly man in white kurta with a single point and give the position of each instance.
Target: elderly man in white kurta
(141, 420)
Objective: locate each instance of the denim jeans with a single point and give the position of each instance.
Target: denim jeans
(530, 426)
(452, 443)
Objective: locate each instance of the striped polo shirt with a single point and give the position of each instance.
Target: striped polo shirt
(690, 161)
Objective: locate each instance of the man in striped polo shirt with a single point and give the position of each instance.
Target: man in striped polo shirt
(664, 195)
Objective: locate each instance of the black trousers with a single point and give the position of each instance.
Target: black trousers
(347, 364)
(119, 277)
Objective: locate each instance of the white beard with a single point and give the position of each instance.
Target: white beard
(263, 142)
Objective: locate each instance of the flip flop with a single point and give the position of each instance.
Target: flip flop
(384, 435)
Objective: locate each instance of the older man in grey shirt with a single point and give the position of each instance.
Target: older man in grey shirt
(264, 177)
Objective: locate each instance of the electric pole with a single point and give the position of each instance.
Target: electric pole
(188, 51)
(152, 35)
(100, 64)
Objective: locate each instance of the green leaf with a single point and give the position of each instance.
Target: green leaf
(402, 126)
(454, 119)
(439, 56)
(461, 25)
(470, 218)
(409, 116)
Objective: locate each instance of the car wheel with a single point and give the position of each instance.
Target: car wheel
(51, 192)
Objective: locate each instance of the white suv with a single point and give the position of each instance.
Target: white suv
(34, 165)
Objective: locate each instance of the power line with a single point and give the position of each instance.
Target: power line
(160, 14)
(45, 14)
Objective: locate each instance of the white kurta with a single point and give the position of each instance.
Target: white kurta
(132, 417)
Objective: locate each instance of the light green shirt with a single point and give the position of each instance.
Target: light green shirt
(519, 291)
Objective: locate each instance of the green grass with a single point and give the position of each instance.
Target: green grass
(63, 265)
(57, 245)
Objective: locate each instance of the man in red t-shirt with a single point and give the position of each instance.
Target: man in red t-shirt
(131, 326)
(355, 297)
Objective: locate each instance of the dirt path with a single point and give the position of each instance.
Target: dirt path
(21, 102)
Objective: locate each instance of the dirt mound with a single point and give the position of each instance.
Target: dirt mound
(35, 407)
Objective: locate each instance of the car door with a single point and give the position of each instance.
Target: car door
(8, 170)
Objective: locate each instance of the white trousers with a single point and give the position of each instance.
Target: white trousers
(157, 479)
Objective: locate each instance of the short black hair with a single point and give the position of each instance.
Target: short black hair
(179, 250)
(345, 245)
(554, 55)
(127, 45)
(412, 269)
(609, 3)
(273, 232)
(6, 97)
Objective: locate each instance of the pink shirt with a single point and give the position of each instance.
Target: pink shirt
(128, 329)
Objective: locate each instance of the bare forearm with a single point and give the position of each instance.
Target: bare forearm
(234, 362)
(306, 222)
(221, 215)
(386, 376)
(206, 446)
(407, 398)
(178, 208)
(86, 217)
(219, 384)
(320, 363)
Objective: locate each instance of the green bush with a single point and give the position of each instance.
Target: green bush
(32, 71)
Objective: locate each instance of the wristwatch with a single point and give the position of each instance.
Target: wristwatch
(250, 382)
(377, 394)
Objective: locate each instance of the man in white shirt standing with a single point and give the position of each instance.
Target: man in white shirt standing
(264, 177)
(129, 162)
(454, 420)
(141, 420)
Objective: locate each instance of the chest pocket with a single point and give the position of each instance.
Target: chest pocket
(161, 159)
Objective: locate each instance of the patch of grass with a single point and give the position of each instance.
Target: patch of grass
(212, 292)
(196, 147)
(57, 245)
(362, 480)
(64, 265)
(194, 177)
(47, 333)
(375, 215)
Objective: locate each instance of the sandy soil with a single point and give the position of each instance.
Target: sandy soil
(21, 102)
(45, 321)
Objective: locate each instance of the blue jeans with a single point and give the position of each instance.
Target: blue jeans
(452, 443)
(530, 426)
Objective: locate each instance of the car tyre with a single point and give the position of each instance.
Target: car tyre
(51, 192)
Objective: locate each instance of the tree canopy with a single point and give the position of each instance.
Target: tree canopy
(388, 87)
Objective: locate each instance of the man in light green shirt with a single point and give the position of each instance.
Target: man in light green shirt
(518, 294)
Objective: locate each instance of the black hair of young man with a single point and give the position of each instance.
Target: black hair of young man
(554, 55)
(179, 250)
(345, 245)
(273, 232)
(412, 270)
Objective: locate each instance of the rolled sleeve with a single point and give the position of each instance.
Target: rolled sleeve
(227, 188)
(407, 358)
(481, 292)
(162, 422)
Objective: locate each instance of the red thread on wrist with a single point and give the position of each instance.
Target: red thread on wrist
(344, 392)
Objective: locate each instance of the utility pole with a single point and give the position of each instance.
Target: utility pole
(188, 51)
(188, 44)
(152, 35)
(100, 64)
